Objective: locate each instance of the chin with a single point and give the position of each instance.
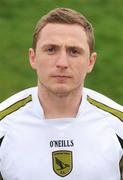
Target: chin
(61, 91)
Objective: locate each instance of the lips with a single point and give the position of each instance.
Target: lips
(61, 77)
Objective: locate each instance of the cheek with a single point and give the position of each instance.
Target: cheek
(43, 61)
(81, 71)
(43, 67)
(39, 66)
(81, 68)
(40, 62)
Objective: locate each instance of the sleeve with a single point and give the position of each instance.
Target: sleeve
(115, 116)
(3, 130)
(117, 125)
(2, 134)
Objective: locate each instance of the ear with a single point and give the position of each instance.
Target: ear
(91, 61)
(32, 58)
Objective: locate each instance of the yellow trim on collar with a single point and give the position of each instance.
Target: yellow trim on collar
(115, 112)
(14, 107)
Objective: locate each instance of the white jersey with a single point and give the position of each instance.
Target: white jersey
(88, 147)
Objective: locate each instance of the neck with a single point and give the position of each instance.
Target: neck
(59, 106)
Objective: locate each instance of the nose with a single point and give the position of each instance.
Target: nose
(62, 61)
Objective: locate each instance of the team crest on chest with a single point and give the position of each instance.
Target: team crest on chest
(62, 162)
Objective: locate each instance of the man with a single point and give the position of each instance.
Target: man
(60, 129)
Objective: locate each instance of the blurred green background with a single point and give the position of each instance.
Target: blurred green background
(17, 21)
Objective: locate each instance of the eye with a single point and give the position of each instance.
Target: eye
(74, 52)
(50, 50)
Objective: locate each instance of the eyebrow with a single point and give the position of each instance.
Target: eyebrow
(57, 46)
(48, 45)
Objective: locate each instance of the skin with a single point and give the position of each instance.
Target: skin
(62, 60)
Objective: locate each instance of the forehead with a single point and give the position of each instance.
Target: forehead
(63, 33)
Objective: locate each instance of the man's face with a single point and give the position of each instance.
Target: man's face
(62, 58)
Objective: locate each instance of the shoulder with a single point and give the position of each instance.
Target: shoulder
(103, 102)
(100, 97)
(108, 107)
(15, 102)
(11, 107)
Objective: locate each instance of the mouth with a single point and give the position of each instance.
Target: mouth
(61, 78)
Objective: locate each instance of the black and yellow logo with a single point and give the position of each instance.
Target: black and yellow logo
(62, 162)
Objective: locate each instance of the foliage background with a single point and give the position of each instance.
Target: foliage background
(17, 21)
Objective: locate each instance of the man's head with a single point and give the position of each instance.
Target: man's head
(65, 16)
(62, 52)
